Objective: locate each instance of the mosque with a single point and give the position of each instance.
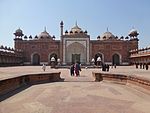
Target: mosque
(75, 45)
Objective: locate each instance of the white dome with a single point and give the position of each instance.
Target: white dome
(44, 34)
(76, 29)
(133, 30)
(133, 33)
(107, 35)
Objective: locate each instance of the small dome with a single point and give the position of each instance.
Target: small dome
(44, 34)
(19, 31)
(107, 35)
(133, 33)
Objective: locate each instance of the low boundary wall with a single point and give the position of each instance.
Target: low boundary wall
(10, 84)
(123, 79)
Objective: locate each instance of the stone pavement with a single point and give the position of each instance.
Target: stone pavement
(8, 72)
(76, 94)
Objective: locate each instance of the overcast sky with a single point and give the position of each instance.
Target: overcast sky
(120, 16)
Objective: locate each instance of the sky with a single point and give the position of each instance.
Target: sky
(95, 16)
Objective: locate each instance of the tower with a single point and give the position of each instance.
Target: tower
(18, 33)
(18, 38)
(61, 40)
(133, 39)
(61, 28)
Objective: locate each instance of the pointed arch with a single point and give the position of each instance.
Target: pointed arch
(52, 55)
(116, 59)
(76, 52)
(99, 54)
(35, 58)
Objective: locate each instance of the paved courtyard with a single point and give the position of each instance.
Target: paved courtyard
(76, 94)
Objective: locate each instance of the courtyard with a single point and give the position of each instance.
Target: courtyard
(76, 94)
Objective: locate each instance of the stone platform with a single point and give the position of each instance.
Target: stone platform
(76, 94)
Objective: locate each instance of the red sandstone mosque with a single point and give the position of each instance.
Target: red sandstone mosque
(75, 45)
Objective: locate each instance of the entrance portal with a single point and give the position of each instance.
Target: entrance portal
(116, 59)
(75, 58)
(76, 52)
(36, 59)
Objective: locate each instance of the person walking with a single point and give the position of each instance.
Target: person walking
(77, 69)
(107, 67)
(72, 70)
(44, 67)
(146, 66)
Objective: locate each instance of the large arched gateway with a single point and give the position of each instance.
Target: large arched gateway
(35, 59)
(76, 52)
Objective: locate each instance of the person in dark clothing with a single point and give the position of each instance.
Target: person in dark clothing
(72, 70)
(107, 67)
(77, 69)
(140, 65)
(146, 66)
(143, 65)
(136, 66)
(104, 67)
(114, 65)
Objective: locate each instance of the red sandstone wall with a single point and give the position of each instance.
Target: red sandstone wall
(108, 48)
(43, 47)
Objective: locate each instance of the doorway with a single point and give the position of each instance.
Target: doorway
(36, 59)
(75, 58)
(115, 59)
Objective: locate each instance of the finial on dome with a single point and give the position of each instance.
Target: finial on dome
(76, 23)
(45, 28)
(107, 29)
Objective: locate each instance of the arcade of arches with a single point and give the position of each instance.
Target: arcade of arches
(115, 59)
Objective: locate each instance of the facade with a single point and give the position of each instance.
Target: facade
(140, 56)
(75, 45)
(9, 56)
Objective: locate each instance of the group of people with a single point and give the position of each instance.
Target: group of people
(105, 67)
(142, 66)
(75, 69)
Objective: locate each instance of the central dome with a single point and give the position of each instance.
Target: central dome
(44, 34)
(107, 35)
(76, 29)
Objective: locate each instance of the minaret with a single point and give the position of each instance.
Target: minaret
(61, 28)
(61, 41)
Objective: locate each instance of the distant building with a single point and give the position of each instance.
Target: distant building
(140, 56)
(9, 56)
(75, 45)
